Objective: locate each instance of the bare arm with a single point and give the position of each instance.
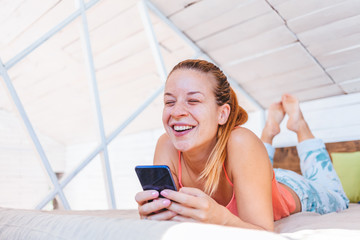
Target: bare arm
(150, 206)
(251, 173)
(166, 154)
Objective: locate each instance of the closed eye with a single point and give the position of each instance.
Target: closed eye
(194, 103)
(169, 103)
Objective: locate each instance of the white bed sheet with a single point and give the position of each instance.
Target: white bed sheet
(125, 224)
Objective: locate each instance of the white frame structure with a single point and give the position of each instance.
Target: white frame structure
(144, 6)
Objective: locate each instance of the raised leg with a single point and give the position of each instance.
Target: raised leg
(272, 127)
(276, 114)
(296, 120)
(316, 166)
(320, 190)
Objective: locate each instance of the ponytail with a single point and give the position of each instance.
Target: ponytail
(218, 155)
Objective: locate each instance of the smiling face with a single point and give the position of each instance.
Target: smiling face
(191, 115)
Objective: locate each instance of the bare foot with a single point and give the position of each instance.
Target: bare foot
(276, 114)
(296, 120)
(292, 108)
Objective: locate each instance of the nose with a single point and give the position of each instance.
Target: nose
(179, 110)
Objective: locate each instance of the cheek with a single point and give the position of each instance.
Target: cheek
(165, 116)
(210, 116)
(209, 120)
(212, 128)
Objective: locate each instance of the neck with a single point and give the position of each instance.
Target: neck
(196, 159)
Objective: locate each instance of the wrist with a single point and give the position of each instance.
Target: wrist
(228, 218)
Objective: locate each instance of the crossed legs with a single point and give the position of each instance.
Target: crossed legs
(319, 188)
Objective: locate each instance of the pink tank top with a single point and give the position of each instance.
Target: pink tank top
(283, 201)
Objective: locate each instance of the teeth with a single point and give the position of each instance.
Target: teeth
(182, 128)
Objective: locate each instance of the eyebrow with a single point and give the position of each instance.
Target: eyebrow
(189, 93)
(168, 94)
(195, 92)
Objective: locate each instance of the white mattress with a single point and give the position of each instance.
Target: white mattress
(125, 224)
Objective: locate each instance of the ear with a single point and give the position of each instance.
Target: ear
(224, 112)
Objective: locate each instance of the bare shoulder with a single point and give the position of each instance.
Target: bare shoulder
(243, 137)
(244, 146)
(164, 140)
(165, 151)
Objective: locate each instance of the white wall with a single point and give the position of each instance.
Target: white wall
(23, 181)
(125, 152)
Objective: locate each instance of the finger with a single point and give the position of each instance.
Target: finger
(179, 218)
(185, 199)
(162, 215)
(154, 206)
(184, 211)
(192, 191)
(145, 196)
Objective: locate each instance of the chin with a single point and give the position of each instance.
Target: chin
(182, 146)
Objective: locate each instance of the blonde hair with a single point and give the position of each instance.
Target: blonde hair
(224, 94)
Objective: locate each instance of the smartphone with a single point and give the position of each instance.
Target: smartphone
(155, 177)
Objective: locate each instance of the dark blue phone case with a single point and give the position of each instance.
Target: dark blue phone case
(155, 177)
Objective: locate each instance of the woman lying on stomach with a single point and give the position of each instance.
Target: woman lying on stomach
(224, 171)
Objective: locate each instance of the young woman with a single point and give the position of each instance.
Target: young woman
(223, 170)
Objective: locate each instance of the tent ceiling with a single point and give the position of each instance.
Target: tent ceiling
(269, 47)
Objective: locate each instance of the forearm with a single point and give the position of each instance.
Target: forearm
(231, 220)
(193, 204)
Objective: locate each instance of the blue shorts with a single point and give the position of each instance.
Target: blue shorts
(319, 188)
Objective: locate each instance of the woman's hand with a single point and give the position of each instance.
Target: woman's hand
(192, 204)
(150, 206)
